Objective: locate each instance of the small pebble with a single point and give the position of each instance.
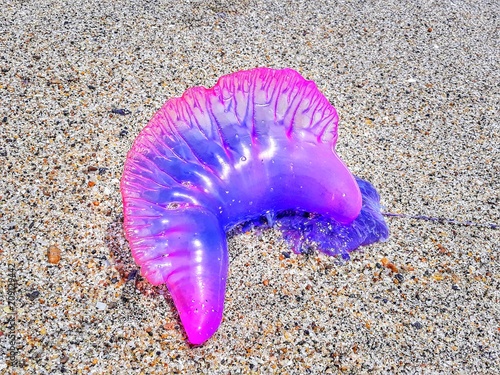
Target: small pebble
(132, 275)
(417, 325)
(121, 111)
(33, 295)
(169, 326)
(101, 306)
(53, 254)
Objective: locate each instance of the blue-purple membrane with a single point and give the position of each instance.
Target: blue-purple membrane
(305, 231)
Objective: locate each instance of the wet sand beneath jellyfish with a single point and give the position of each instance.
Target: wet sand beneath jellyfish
(416, 90)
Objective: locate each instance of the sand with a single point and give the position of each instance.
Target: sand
(416, 88)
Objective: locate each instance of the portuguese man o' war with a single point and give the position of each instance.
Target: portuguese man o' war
(260, 143)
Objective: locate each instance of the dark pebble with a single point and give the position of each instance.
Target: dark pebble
(378, 265)
(91, 87)
(33, 295)
(399, 277)
(417, 325)
(121, 111)
(132, 275)
(4, 120)
(455, 287)
(123, 133)
(102, 171)
(286, 254)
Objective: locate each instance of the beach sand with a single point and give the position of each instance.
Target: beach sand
(416, 88)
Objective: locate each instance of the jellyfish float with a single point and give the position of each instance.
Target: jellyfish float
(260, 143)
